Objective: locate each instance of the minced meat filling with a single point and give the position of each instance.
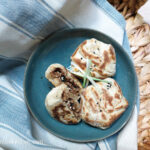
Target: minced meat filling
(58, 73)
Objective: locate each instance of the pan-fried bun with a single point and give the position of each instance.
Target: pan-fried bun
(103, 104)
(62, 107)
(58, 74)
(101, 54)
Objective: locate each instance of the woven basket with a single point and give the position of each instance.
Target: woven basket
(128, 8)
(139, 38)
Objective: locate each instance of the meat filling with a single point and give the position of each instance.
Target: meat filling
(61, 75)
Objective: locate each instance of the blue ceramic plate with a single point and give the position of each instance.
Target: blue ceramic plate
(58, 49)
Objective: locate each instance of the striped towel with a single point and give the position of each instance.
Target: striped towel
(23, 25)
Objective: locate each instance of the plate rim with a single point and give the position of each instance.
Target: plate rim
(71, 139)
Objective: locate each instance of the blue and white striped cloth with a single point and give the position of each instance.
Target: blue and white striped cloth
(23, 25)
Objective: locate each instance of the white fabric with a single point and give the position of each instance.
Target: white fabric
(127, 139)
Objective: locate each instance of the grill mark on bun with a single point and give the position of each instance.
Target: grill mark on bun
(93, 108)
(106, 60)
(112, 53)
(117, 96)
(107, 97)
(103, 116)
(79, 63)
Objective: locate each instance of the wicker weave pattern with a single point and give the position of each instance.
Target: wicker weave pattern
(139, 38)
(127, 7)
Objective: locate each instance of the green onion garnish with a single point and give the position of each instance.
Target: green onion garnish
(87, 74)
(88, 65)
